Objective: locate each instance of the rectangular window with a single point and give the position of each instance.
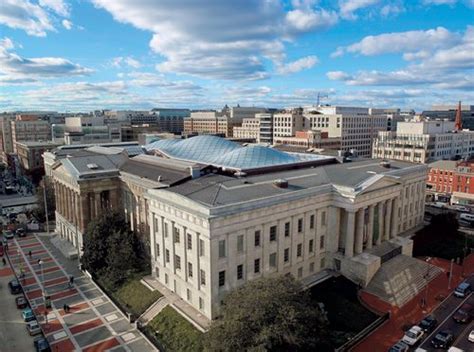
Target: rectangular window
(323, 218)
(188, 294)
(166, 229)
(286, 255)
(272, 260)
(311, 246)
(240, 272)
(273, 233)
(256, 266)
(167, 256)
(176, 235)
(157, 249)
(300, 225)
(201, 303)
(299, 250)
(311, 267)
(177, 261)
(311, 222)
(201, 248)
(321, 242)
(221, 248)
(300, 272)
(287, 229)
(221, 278)
(189, 241)
(190, 269)
(323, 262)
(166, 279)
(240, 243)
(202, 275)
(257, 238)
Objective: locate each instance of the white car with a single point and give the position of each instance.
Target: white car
(471, 336)
(413, 336)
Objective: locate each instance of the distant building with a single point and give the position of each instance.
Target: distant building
(309, 139)
(6, 142)
(449, 112)
(85, 130)
(453, 180)
(424, 141)
(27, 128)
(30, 156)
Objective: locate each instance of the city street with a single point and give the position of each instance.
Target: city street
(13, 334)
(93, 323)
(444, 315)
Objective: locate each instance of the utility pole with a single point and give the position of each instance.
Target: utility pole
(45, 206)
(450, 274)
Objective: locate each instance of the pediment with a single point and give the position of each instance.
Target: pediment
(376, 182)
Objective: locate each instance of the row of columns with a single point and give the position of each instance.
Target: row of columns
(387, 226)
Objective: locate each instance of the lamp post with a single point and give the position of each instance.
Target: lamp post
(45, 206)
(450, 274)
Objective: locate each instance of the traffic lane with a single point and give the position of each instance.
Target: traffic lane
(449, 324)
(462, 342)
(13, 334)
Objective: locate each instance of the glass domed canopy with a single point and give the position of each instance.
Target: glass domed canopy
(223, 153)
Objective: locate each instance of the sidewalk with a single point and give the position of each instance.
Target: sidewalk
(411, 313)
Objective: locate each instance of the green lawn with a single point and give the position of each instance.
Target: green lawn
(175, 333)
(135, 296)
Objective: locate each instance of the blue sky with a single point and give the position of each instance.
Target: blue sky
(80, 55)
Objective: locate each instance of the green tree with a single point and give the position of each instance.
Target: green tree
(39, 212)
(268, 314)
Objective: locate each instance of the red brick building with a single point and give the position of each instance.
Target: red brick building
(453, 180)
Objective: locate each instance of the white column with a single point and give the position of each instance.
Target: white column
(370, 229)
(388, 215)
(349, 243)
(380, 207)
(359, 236)
(396, 204)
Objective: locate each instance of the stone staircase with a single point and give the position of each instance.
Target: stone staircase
(66, 248)
(401, 278)
(153, 311)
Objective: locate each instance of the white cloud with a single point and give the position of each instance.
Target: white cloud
(392, 10)
(58, 6)
(6, 44)
(338, 76)
(152, 80)
(22, 14)
(347, 8)
(122, 61)
(202, 39)
(67, 24)
(298, 65)
(439, 2)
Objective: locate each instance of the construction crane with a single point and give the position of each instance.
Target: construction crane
(320, 96)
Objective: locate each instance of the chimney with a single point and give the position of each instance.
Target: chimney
(458, 121)
(194, 171)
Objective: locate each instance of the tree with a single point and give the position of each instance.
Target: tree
(39, 212)
(268, 314)
(110, 249)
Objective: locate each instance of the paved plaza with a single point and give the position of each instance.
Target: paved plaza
(94, 323)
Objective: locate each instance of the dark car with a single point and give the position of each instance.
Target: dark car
(41, 345)
(443, 339)
(400, 346)
(21, 232)
(8, 234)
(21, 302)
(464, 314)
(428, 323)
(15, 287)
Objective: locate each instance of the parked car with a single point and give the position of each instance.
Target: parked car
(466, 217)
(471, 336)
(15, 287)
(413, 336)
(21, 302)
(41, 345)
(21, 232)
(464, 314)
(400, 346)
(461, 208)
(33, 328)
(440, 205)
(442, 339)
(8, 234)
(2, 251)
(28, 315)
(428, 323)
(463, 289)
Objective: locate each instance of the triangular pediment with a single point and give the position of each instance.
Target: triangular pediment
(375, 183)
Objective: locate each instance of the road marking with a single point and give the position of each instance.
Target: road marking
(60, 335)
(111, 317)
(97, 301)
(128, 336)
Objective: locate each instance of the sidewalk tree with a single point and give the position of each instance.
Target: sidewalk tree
(39, 212)
(269, 314)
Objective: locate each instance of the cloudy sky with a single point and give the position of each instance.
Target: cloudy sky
(79, 55)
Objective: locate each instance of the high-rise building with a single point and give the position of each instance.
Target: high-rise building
(27, 128)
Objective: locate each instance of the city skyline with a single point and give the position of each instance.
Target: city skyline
(74, 55)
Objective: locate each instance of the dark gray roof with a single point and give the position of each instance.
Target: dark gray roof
(152, 172)
(215, 190)
(80, 165)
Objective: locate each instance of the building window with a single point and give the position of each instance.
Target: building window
(201, 248)
(176, 235)
(272, 260)
(299, 250)
(300, 272)
(166, 229)
(311, 222)
(157, 249)
(321, 242)
(240, 243)
(323, 263)
(189, 241)
(300, 225)
(240, 272)
(286, 255)
(311, 242)
(221, 278)
(221, 248)
(167, 256)
(257, 238)
(311, 267)
(203, 277)
(166, 279)
(201, 303)
(190, 269)
(188, 294)
(287, 229)
(273, 233)
(177, 261)
(256, 266)
(323, 218)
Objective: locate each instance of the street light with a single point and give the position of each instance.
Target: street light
(450, 274)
